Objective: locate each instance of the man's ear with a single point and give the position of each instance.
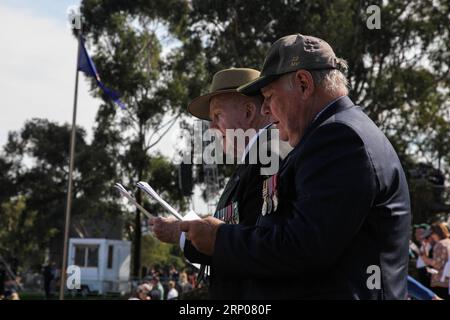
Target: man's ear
(305, 82)
(250, 111)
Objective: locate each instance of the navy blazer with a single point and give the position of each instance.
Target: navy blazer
(341, 230)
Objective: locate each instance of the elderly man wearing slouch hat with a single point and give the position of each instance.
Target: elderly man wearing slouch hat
(241, 201)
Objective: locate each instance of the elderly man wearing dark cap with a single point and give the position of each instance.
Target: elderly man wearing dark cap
(341, 227)
(241, 201)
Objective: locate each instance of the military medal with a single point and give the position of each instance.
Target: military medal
(275, 192)
(264, 207)
(269, 205)
(269, 196)
(275, 201)
(235, 219)
(229, 214)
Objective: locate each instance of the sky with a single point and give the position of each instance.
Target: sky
(37, 63)
(37, 71)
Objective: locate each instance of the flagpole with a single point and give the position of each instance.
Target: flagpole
(69, 187)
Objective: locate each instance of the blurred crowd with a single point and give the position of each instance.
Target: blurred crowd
(166, 284)
(430, 253)
(429, 273)
(8, 288)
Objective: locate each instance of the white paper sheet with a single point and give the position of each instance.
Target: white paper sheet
(149, 190)
(126, 194)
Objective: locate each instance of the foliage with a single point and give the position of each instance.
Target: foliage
(159, 55)
(165, 255)
(18, 242)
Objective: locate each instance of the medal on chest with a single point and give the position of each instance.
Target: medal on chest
(229, 214)
(270, 195)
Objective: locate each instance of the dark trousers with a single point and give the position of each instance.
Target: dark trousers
(48, 289)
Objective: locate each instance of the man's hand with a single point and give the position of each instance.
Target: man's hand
(202, 233)
(166, 229)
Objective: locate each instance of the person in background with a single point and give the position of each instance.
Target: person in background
(157, 293)
(423, 248)
(184, 284)
(441, 254)
(11, 294)
(174, 274)
(172, 293)
(49, 276)
(142, 292)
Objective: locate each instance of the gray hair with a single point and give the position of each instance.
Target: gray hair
(332, 81)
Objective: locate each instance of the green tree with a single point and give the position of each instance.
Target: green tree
(37, 163)
(18, 242)
(128, 55)
(154, 252)
(398, 74)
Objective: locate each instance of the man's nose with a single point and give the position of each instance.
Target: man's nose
(265, 109)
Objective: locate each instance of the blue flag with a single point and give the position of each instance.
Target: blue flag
(86, 65)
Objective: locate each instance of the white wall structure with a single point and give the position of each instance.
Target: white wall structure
(104, 264)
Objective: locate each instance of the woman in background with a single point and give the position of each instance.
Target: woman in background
(441, 254)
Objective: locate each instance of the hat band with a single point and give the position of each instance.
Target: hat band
(226, 88)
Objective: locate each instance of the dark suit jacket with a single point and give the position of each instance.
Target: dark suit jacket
(244, 189)
(342, 223)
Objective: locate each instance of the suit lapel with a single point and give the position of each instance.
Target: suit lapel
(229, 188)
(224, 199)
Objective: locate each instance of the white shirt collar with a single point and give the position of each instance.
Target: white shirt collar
(321, 111)
(252, 141)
